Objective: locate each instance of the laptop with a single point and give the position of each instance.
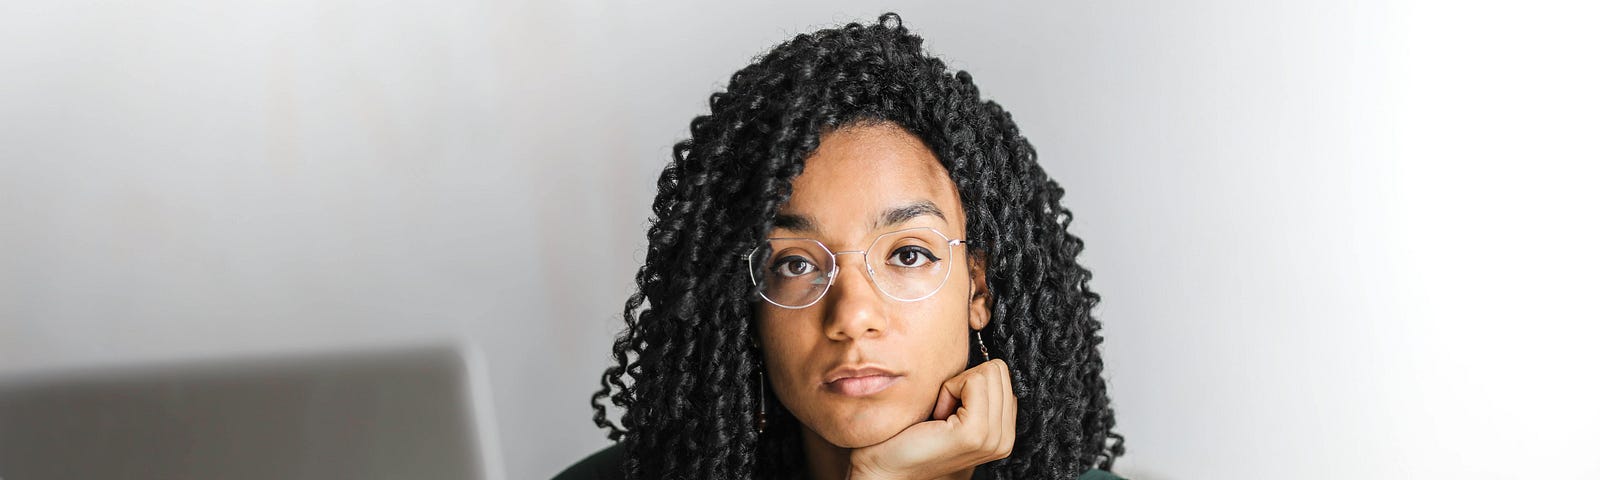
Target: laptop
(408, 413)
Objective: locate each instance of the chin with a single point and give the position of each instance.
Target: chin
(869, 428)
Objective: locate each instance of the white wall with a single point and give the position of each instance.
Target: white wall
(1334, 239)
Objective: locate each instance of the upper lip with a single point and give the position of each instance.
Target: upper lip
(856, 371)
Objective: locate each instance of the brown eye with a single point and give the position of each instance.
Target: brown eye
(911, 256)
(793, 266)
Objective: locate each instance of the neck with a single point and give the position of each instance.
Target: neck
(827, 461)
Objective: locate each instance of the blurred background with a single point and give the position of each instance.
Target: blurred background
(1334, 239)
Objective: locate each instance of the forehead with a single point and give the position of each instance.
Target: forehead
(856, 174)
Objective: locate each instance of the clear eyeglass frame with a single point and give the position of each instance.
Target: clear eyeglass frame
(872, 275)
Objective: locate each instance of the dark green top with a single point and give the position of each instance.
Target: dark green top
(607, 465)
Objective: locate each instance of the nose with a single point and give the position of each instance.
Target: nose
(854, 309)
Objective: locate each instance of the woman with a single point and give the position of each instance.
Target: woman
(856, 269)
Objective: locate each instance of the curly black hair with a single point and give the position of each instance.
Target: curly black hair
(686, 370)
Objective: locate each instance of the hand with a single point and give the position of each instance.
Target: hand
(981, 430)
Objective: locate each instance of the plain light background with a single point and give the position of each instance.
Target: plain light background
(1334, 239)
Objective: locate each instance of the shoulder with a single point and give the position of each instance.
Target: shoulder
(605, 464)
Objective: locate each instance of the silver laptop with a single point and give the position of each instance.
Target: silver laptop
(390, 414)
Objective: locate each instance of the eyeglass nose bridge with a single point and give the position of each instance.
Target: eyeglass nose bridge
(864, 261)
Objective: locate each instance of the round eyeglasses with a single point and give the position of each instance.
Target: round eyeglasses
(906, 265)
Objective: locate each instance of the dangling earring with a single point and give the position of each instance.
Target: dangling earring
(981, 348)
(761, 416)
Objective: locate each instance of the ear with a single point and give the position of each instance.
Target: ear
(978, 300)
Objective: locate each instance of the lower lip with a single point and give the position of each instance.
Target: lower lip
(861, 386)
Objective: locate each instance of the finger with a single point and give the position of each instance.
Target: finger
(974, 406)
(1006, 394)
(1006, 369)
(997, 405)
(1008, 427)
(945, 405)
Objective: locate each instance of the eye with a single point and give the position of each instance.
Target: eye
(793, 266)
(912, 256)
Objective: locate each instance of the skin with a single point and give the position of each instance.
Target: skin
(938, 419)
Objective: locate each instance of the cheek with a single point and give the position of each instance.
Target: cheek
(942, 322)
(776, 327)
(783, 346)
(938, 336)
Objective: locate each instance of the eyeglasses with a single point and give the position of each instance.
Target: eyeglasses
(906, 265)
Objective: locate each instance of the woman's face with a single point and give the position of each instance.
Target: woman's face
(860, 183)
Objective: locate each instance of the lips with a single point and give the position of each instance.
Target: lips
(859, 381)
(861, 386)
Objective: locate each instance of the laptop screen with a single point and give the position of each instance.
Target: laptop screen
(402, 414)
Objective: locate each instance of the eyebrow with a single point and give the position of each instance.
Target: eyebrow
(889, 218)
